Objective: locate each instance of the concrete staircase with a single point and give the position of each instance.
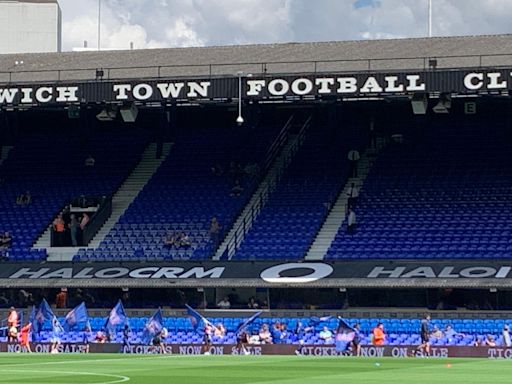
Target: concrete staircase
(4, 153)
(337, 213)
(121, 200)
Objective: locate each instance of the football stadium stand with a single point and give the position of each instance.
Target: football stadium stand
(50, 166)
(444, 193)
(464, 332)
(193, 186)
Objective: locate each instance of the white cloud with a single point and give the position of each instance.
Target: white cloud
(177, 23)
(182, 35)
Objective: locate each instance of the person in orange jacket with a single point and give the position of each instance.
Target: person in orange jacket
(378, 335)
(24, 337)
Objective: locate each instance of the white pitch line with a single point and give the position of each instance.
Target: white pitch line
(84, 361)
(120, 378)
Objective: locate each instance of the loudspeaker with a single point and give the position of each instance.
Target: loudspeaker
(129, 114)
(419, 103)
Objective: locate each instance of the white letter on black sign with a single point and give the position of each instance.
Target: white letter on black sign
(283, 86)
(170, 89)
(371, 85)
(319, 271)
(7, 95)
(255, 87)
(200, 272)
(200, 89)
(44, 94)
(469, 81)
(494, 82)
(347, 85)
(414, 83)
(67, 94)
(324, 84)
(27, 95)
(302, 86)
(121, 90)
(392, 86)
(142, 91)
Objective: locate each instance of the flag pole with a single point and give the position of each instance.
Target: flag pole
(429, 18)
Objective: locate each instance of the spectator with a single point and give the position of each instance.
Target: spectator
(326, 335)
(378, 335)
(253, 304)
(170, 240)
(12, 318)
(24, 199)
(265, 335)
(220, 330)
(214, 230)
(224, 303)
(73, 229)
(278, 332)
(351, 221)
(353, 158)
(184, 240)
(85, 220)
(237, 189)
(436, 333)
(61, 299)
(5, 241)
(450, 333)
(506, 336)
(353, 194)
(489, 341)
(89, 161)
(100, 337)
(59, 228)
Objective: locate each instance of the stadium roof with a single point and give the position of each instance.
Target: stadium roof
(342, 56)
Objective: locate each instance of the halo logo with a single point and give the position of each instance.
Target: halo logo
(317, 271)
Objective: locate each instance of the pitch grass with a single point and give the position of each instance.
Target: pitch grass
(137, 369)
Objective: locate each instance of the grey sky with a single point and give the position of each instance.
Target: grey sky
(178, 23)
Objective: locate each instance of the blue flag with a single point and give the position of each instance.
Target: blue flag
(116, 317)
(77, 315)
(198, 321)
(247, 322)
(39, 316)
(344, 336)
(153, 326)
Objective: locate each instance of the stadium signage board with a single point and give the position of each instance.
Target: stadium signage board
(401, 351)
(223, 88)
(266, 272)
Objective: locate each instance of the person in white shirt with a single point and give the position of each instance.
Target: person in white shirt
(506, 336)
(224, 303)
(326, 335)
(351, 221)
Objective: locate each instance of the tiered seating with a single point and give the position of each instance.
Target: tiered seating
(444, 195)
(184, 195)
(294, 213)
(399, 331)
(51, 166)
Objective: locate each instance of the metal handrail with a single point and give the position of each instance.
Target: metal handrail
(263, 195)
(313, 65)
